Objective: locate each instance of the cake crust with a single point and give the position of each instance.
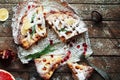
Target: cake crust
(79, 71)
(46, 65)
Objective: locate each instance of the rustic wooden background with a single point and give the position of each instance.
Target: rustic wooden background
(106, 56)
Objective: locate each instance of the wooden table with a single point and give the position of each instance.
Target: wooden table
(103, 38)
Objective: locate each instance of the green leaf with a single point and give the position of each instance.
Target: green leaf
(33, 16)
(33, 30)
(33, 27)
(49, 48)
(62, 30)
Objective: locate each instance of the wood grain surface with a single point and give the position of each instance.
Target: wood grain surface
(103, 37)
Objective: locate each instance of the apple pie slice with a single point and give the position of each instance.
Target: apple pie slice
(65, 24)
(46, 65)
(80, 72)
(30, 25)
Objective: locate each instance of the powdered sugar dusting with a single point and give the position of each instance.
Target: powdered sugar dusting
(62, 48)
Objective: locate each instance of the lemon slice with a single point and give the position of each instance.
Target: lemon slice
(3, 14)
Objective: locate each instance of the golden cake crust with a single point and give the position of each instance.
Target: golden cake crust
(46, 65)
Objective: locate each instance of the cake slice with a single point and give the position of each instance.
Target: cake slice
(66, 24)
(46, 65)
(80, 72)
(30, 24)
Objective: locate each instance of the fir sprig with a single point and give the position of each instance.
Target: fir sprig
(49, 48)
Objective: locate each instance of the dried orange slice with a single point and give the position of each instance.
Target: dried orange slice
(5, 75)
(4, 14)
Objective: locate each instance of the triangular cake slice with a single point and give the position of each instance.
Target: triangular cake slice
(66, 24)
(29, 26)
(79, 71)
(46, 65)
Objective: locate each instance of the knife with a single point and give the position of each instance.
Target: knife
(102, 73)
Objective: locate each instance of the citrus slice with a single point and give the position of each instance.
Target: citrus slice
(3, 14)
(4, 75)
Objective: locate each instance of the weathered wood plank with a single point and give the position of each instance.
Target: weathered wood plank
(7, 43)
(109, 12)
(106, 29)
(95, 76)
(104, 47)
(108, 64)
(10, 1)
(106, 56)
(20, 75)
(114, 76)
(102, 30)
(99, 46)
(93, 1)
(5, 29)
(62, 76)
(70, 1)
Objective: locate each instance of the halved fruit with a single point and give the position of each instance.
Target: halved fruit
(5, 75)
(4, 14)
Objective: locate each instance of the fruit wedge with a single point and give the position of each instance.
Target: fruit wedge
(4, 75)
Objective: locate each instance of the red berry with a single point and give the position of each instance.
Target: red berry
(33, 6)
(84, 45)
(29, 7)
(65, 59)
(44, 60)
(85, 49)
(68, 57)
(51, 42)
(68, 53)
(84, 53)
(78, 46)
